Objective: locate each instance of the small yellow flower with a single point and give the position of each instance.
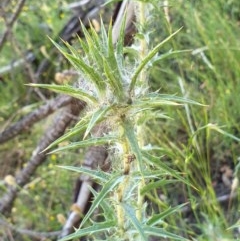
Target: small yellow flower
(31, 186)
(53, 157)
(51, 218)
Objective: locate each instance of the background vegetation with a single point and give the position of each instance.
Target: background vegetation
(201, 143)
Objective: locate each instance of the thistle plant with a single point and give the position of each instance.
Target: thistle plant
(116, 91)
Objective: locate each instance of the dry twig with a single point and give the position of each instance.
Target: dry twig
(11, 22)
(35, 116)
(55, 131)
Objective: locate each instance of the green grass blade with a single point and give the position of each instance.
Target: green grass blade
(130, 213)
(96, 174)
(156, 218)
(146, 60)
(96, 228)
(89, 142)
(108, 187)
(156, 184)
(160, 232)
(169, 54)
(68, 90)
(157, 162)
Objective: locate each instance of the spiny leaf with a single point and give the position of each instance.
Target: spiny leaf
(96, 174)
(146, 60)
(120, 42)
(97, 117)
(80, 64)
(108, 187)
(77, 130)
(74, 52)
(160, 232)
(88, 70)
(96, 228)
(108, 210)
(104, 37)
(113, 81)
(130, 213)
(174, 98)
(89, 142)
(154, 103)
(68, 90)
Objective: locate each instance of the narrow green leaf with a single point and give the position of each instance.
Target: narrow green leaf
(174, 98)
(77, 130)
(236, 225)
(88, 70)
(111, 67)
(97, 117)
(85, 143)
(131, 137)
(91, 37)
(108, 187)
(104, 36)
(160, 232)
(73, 51)
(157, 162)
(120, 42)
(156, 218)
(219, 130)
(146, 60)
(80, 64)
(68, 90)
(130, 213)
(155, 184)
(95, 228)
(115, 83)
(83, 45)
(96, 174)
(108, 210)
(169, 54)
(153, 103)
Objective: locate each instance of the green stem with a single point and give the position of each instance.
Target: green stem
(143, 43)
(143, 78)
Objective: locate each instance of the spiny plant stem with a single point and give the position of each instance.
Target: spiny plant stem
(123, 185)
(143, 43)
(141, 15)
